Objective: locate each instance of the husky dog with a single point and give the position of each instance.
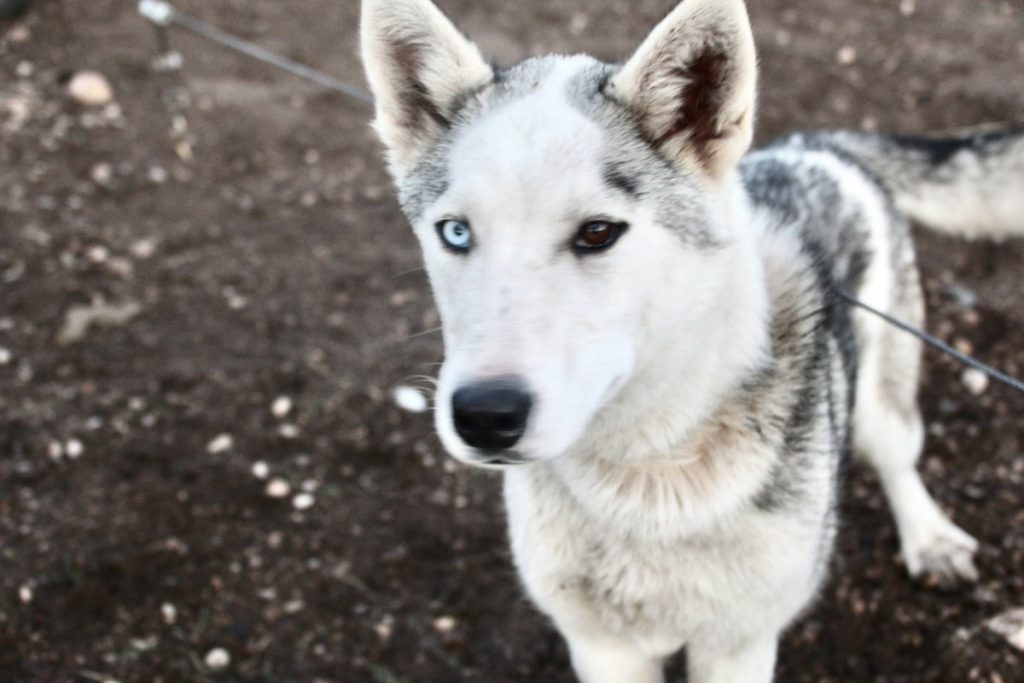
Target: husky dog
(643, 328)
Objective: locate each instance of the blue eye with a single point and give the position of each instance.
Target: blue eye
(455, 234)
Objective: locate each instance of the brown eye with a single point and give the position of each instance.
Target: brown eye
(598, 235)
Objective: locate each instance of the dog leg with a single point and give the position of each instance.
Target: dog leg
(607, 660)
(889, 434)
(752, 662)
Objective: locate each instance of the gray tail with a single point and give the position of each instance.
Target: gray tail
(970, 184)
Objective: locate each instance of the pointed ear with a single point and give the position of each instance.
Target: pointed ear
(418, 66)
(692, 84)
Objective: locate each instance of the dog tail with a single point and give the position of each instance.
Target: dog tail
(969, 184)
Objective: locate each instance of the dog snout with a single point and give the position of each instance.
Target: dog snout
(492, 415)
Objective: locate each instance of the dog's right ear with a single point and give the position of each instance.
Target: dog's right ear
(418, 65)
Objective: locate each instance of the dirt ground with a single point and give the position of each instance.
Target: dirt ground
(247, 215)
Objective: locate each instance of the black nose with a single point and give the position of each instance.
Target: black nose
(492, 415)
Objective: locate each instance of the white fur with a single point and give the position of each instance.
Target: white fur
(632, 528)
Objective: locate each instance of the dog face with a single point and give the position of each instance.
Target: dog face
(574, 217)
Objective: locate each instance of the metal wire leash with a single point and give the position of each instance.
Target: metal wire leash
(163, 15)
(934, 342)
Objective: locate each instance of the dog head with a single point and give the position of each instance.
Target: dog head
(575, 217)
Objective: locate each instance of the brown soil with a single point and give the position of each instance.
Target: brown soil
(280, 266)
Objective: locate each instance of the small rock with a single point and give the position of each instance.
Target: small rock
(278, 488)
(25, 69)
(288, 431)
(221, 444)
(281, 407)
(98, 254)
(908, 7)
(260, 470)
(158, 175)
(55, 449)
(218, 659)
(102, 174)
(445, 624)
(74, 449)
(410, 399)
(143, 249)
(80, 319)
(847, 55)
(976, 381)
(26, 594)
(1010, 625)
(303, 501)
(5, 356)
(90, 88)
(169, 613)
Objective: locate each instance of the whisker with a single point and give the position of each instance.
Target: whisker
(424, 333)
(411, 271)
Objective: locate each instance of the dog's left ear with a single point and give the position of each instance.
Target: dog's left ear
(418, 66)
(693, 85)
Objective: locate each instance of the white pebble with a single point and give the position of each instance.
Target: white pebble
(410, 399)
(976, 381)
(25, 594)
(74, 449)
(55, 449)
(278, 488)
(847, 55)
(98, 253)
(91, 88)
(281, 407)
(288, 431)
(169, 612)
(260, 470)
(5, 356)
(222, 443)
(143, 249)
(102, 173)
(218, 659)
(303, 501)
(158, 175)
(445, 624)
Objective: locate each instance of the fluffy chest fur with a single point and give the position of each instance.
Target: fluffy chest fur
(741, 512)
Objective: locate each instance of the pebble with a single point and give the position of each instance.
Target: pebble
(278, 488)
(908, 7)
(218, 659)
(260, 470)
(74, 449)
(288, 431)
(26, 594)
(410, 399)
(445, 624)
(281, 407)
(102, 174)
(55, 449)
(220, 444)
(5, 356)
(143, 249)
(91, 88)
(303, 501)
(169, 612)
(976, 381)
(847, 55)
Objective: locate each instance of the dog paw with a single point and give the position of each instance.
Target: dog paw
(941, 554)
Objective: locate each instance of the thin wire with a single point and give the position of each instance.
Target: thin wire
(170, 15)
(934, 342)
